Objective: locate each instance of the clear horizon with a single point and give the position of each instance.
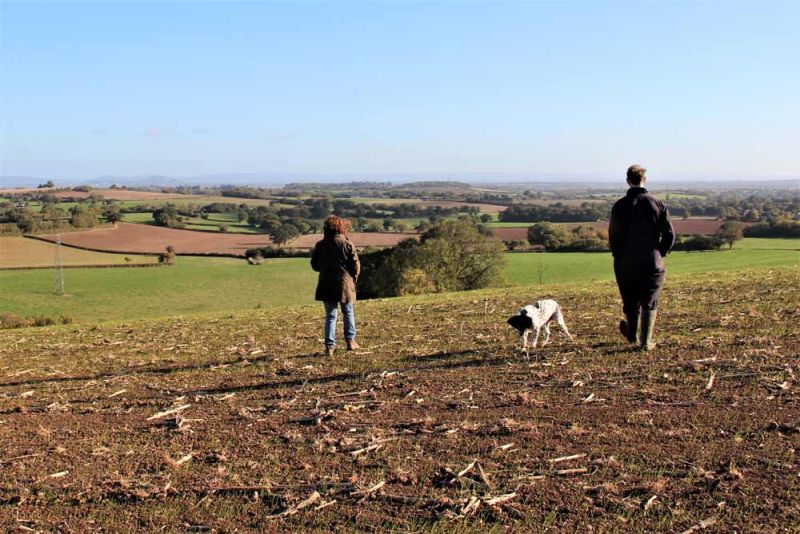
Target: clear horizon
(705, 90)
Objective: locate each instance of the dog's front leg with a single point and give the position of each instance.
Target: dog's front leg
(536, 337)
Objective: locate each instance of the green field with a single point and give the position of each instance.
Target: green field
(198, 285)
(196, 223)
(194, 285)
(556, 267)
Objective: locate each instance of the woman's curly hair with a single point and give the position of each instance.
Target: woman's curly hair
(336, 225)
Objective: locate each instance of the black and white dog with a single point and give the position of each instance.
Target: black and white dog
(537, 316)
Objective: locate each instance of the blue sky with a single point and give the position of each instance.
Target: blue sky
(689, 88)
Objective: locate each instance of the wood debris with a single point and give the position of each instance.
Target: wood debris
(171, 411)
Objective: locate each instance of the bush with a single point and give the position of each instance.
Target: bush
(554, 237)
(168, 257)
(275, 252)
(698, 242)
(776, 228)
(451, 256)
(10, 320)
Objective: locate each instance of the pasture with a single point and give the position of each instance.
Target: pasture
(527, 268)
(197, 285)
(233, 422)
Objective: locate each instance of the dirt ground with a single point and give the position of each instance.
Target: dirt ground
(235, 423)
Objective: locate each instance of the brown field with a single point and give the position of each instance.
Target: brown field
(18, 252)
(142, 238)
(683, 227)
(359, 239)
(110, 194)
(145, 238)
(484, 208)
(573, 202)
(234, 423)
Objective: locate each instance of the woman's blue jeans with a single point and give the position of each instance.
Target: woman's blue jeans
(331, 312)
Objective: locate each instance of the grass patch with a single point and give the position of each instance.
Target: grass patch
(197, 285)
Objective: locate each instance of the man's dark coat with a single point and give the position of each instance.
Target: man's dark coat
(640, 235)
(336, 260)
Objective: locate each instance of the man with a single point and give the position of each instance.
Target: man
(336, 260)
(640, 235)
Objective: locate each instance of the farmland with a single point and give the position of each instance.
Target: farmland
(234, 423)
(16, 252)
(110, 194)
(148, 238)
(519, 231)
(197, 285)
(140, 238)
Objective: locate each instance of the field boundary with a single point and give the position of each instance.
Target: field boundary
(92, 249)
(86, 266)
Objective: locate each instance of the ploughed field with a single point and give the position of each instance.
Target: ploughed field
(681, 226)
(144, 238)
(20, 252)
(141, 238)
(235, 422)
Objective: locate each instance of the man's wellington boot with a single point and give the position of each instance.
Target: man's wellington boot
(648, 327)
(628, 327)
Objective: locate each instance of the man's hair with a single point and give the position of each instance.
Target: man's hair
(336, 225)
(636, 174)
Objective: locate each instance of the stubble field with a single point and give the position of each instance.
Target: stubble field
(234, 423)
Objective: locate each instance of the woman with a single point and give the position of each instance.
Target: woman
(336, 260)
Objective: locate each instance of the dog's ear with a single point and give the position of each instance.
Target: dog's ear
(520, 322)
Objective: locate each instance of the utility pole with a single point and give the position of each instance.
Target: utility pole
(58, 264)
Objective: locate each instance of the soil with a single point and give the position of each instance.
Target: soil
(236, 423)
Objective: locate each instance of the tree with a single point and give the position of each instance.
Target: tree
(83, 217)
(730, 232)
(168, 216)
(550, 236)
(486, 218)
(388, 224)
(112, 214)
(284, 233)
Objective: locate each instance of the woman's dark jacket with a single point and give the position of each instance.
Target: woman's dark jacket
(640, 233)
(336, 260)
